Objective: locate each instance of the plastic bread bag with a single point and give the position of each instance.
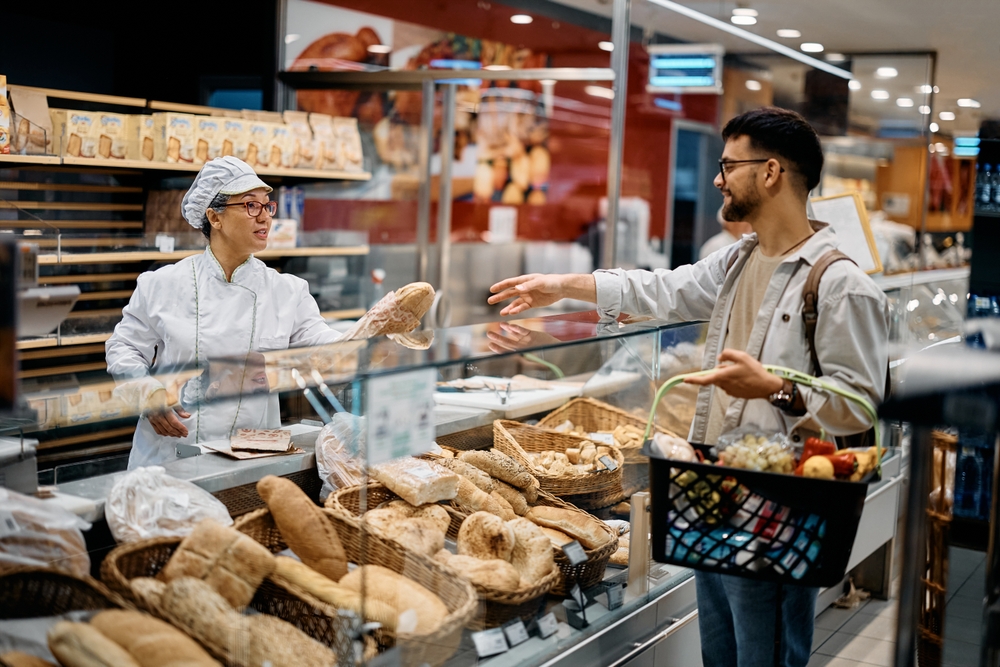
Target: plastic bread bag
(147, 502)
(671, 447)
(751, 448)
(38, 533)
(340, 448)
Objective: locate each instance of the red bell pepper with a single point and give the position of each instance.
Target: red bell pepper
(814, 447)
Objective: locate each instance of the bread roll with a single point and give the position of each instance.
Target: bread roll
(583, 528)
(494, 574)
(304, 526)
(485, 536)
(82, 645)
(620, 557)
(417, 482)
(514, 497)
(532, 555)
(558, 538)
(506, 511)
(471, 473)
(18, 659)
(435, 513)
(472, 499)
(421, 535)
(501, 466)
(226, 559)
(406, 596)
(152, 642)
(330, 592)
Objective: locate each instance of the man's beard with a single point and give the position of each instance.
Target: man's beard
(742, 208)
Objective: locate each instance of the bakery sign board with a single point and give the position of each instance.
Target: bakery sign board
(400, 411)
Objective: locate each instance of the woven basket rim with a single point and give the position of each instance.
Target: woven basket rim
(67, 579)
(548, 420)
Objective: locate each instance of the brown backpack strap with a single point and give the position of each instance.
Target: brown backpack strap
(810, 300)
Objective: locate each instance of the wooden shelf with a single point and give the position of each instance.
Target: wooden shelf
(87, 437)
(86, 97)
(348, 314)
(56, 352)
(74, 224)
(317, 174)
(67, 206)
(413, 79)
(30, 159)
(62, 370)
(52, 341)
(157, 256)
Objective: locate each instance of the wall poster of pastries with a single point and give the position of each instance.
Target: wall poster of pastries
(501, 152)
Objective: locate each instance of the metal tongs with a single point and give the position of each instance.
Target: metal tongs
(313, 399)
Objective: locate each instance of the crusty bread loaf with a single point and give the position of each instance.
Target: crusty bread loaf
(332, 593)
(152, 642)
(620, 557)
(471, 473)
(415, 481)
(514, 497)
(532, 555)
(19, 659)
(422, 535)
(304, 526)
(557, 537)
(280, 644)
(485, 536)
(82, 645)
(229, 561)
(494, 574)
(583, 528)
(506, 511)
(501, 466)
(415, 298)
(409, 598)
(471, 498)
(435, 513)
(149, 591)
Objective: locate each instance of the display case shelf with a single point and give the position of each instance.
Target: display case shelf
(132, 256)
(413, 79)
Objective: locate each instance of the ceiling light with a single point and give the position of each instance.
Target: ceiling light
(753, 84)
(744, 11)
(854, 84)
(521, 19)
(600, 91)
(968, 104)
(789, 33)
(292, 38)
(924, 109)
(947, 115)
(811, 47)
(934, 127)
(606, 46)
(743, 20)
(936, 90)
(886, 72)
(904, 102)
(695, 15)
(379, 48)
(835, 57)
(878, 94)
(926, 89)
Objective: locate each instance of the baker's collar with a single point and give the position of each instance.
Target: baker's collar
(823, 240)
(240, 273)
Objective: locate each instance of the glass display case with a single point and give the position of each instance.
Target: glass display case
(376, 426)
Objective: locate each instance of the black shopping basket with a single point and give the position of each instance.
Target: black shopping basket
(760, 525)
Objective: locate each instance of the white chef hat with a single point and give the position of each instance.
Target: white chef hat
(223, 175)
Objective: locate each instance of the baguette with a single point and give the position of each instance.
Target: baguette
(532, 554)
(19, 659)
(422, 610)
(583, 528)
(557, 537)
(506, 511)
(304, 526)
(152, 642)
(485, 536)
(415, 298)
(494, 574)
(471, 473)
(82, 645)
(501, 466)
(473, 499)
(515, 498)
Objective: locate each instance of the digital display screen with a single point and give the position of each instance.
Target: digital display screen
(685, 68)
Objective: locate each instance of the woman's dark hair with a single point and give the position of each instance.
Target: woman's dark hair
(219, 206)
(782, 133)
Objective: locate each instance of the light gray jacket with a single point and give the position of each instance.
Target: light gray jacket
(852, 331)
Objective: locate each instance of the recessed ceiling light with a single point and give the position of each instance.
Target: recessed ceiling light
(744, 11)
(521, 19)
(924, 109)
(934, 127)
(379, 48)
(835, 57)
(753, 84)
(600, 91)
(292, 38)
(742, 20)
(936, 90)
(886, 72)
(947, 115)
(854, 84)
(811, 47)
(606, 46)
(968, 103)
(926, 89)
(789, 33)
(904, 102)
(878, 94)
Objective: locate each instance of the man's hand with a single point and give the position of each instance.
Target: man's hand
(741, 376)
(537, 290)
(163, 419)
(515, 337)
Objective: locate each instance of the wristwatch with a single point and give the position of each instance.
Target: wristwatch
(784, 398)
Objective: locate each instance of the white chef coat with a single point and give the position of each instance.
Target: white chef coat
(182, 315)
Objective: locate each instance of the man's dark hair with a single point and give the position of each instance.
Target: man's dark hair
(781, 133)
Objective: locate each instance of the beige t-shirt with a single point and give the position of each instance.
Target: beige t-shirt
(751, 285)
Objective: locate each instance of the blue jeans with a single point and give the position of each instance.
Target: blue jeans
(737, 618)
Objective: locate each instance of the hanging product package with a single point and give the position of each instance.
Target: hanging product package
(340, 448)
(147, 503)
(37, 533)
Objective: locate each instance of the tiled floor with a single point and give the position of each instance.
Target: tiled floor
(866, 635)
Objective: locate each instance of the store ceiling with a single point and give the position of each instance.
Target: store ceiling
(968, 48)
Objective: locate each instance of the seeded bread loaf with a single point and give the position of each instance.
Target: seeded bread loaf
(499, 465)
(483, 481)
(472, 499)
(514, 497)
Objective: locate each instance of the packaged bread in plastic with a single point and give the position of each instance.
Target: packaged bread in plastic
(417, 482)
(38, 533)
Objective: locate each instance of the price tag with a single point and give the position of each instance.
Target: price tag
(515, 632)
(547, 625)
(578, 596)
(165, 243)
(603, 438)
(489, 642)
(616, 595)
(609, 463)
(8, 525)
(400, 410)
(575, 553)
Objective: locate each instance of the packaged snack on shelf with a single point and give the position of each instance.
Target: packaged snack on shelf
(74, 132)
(259, 143)
(33, 123)
(4, 117)
(326, 150)
(349, 154)
(208, 138)
(282, 146)
(235, 138)
(174, 133)
(752, 449)
(304, 154)
(112, 139)
(139, 129)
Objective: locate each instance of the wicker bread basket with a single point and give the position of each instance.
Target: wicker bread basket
(30, 592)
(497, 606)
(590, 490)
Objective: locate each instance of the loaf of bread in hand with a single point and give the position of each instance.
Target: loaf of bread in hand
(304, 526)
(230, 562)
(152, 642)
(485, 536)
(532, 555)
(420, 611)
(82, 645)
(583, 528)
(493, 574)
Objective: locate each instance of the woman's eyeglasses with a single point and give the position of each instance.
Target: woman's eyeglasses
(255, 208)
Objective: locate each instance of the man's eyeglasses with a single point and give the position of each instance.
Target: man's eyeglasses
(725, 165)
(255, 208)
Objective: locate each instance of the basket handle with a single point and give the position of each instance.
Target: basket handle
(788, 374)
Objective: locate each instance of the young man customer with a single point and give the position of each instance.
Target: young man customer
(751, 295)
